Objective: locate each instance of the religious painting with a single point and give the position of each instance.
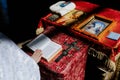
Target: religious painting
(94, 26)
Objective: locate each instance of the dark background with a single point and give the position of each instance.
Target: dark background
(23, 17)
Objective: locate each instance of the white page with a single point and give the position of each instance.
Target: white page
(48, 47)
(39, 42)
(51, 49)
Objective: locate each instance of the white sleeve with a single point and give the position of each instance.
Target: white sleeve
(15, 64)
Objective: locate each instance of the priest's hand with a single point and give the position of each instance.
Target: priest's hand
(37, 55)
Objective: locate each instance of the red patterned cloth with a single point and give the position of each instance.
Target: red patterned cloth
(71, 66)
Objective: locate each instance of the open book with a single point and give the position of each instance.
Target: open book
(49, 48)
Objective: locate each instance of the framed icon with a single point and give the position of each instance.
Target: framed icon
(94, 26)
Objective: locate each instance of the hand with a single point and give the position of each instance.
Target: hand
(37, 55)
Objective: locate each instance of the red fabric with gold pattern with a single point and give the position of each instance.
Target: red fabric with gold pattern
(71, 66)
(67, 68)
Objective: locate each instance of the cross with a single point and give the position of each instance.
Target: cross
(65, 52)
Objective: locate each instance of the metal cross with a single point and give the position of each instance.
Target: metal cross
(65, 52)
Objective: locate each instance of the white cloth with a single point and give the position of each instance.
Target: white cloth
(15, 64)
(56, 7)
(62, 7)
